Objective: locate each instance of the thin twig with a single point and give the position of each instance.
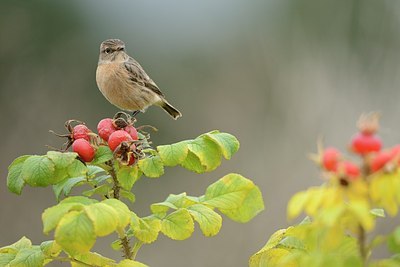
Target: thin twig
(362, 235)
(66, 259)
(136, 248)
(361, 244)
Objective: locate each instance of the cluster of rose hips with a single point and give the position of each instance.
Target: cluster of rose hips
(366, 144)
(118, 133)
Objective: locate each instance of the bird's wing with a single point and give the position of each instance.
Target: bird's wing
(139, 76)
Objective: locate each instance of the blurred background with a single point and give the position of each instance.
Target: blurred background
(277, 74)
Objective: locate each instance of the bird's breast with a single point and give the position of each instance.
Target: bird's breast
(114, 82)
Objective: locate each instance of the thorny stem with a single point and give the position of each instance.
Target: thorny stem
(116, 187)
(126, 248)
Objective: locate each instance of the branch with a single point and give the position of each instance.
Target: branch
(361, 237)
(136, 248)
(116, 187)
(66, 259)
(126, 248)
(361, 244)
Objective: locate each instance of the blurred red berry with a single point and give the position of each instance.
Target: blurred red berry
(80, 131)
(395, 152)
(351, 170)
(84, 149)
(330, 158)
(105, 128)
(365, 143)
(380, 160)
(132, 132)
(117, 137)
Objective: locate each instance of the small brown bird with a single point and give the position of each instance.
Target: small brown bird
(125, 84)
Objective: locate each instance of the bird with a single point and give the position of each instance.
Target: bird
(125, 84)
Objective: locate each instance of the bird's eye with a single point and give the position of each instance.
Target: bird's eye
(107, 50)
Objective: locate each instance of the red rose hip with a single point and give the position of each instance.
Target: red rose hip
(132, 132)
(365, 143)
(105, 128)
(380, 160)
(80, 131)
(351, 170)
(117, 137)
(84, 149)
(330, 158)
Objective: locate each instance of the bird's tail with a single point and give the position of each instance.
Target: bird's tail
(171, 110)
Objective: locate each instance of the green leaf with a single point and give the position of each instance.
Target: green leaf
(160, 209)
(101, 190)
(227, 143)
(103, 218)
(228, 192)
(79, 200)
(210, 222)
(174, 202)
(236, 197)
(116, 245)
(152, 166)
(269, 254)
(64, 187)
(174, 154)
(291, 242)
(5, 259)
(123, 212)
(207, 151)
(52, 216)
(76, 169)
(181, 200)
(28, 257)
(94, 259)
(38, 171)
(20, 244)
(192, 163)
(271, 257)
(130, 263)
(145, 229)
(100, 179)
(378, 212)
(178, 225)
(62, 159)
(50, 248)
(297, 204)
(94, 170)
(251, 205)
(127, 176)
(15, 181)
(128, 195)
(103, 154)
(393, 241)
(75, 233)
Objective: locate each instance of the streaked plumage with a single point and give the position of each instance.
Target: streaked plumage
(125, 84)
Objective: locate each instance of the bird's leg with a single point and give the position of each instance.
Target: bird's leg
(135, 113)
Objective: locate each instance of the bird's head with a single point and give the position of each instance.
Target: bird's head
(112, 50)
